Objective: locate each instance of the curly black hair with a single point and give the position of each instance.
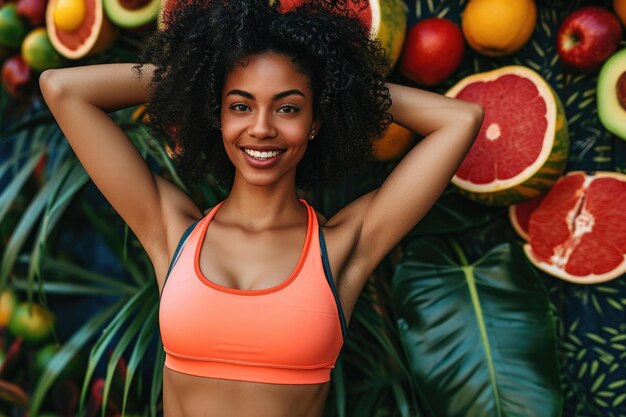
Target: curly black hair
(201, 41)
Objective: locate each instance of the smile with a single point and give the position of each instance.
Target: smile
(262, 155)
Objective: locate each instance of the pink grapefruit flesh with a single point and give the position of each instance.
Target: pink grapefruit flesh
(578, 232)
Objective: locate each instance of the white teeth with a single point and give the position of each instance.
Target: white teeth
(261, 155)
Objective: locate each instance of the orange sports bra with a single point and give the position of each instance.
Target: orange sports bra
(291, 333)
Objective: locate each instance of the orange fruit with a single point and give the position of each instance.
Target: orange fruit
(619, 7)
(394, 144)
(8, 300)
(498, 27)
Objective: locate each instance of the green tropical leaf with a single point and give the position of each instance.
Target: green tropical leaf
(66, 353)
(66, 268)
(146, 314)
(139, 349)
(103, 226)
(339, 381)
(126, 313)
(481, 337)
(11, 191)
(27, 221)
(157, 378)
(65, 288)
(454, 213)
(383, 380)
(57, 203)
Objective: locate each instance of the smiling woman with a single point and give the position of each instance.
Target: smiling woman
(342, 67)
(257, 294)
(267, 121)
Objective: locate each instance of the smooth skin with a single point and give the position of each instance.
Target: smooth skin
(259, 230)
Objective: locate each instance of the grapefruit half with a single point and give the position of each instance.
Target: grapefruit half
(519, 215)
(523, 143)
(94, 34)
(578, 232)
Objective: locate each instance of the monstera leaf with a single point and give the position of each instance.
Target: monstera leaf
(480, 337)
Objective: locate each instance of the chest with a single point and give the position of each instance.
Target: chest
(240, 259)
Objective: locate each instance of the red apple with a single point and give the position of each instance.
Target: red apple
(432, 51)
(16, 76)
(587, 37)
(33, 10)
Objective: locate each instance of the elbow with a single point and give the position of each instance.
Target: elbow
(48, 86)
(476, 115)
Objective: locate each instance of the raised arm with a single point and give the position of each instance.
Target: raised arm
(382, 217)
(79, 98)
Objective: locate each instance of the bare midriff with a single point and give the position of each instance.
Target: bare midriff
(192, 396)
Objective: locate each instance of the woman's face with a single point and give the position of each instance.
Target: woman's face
(267, 118)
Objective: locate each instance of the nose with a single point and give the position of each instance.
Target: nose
(261, 125)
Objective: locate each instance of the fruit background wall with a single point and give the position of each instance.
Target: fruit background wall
(484, 309)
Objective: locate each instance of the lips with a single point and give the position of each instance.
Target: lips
(262, 159)
(262, 155)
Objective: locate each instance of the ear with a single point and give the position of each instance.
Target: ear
(315, 127)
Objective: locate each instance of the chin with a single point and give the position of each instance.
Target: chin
(262, 179)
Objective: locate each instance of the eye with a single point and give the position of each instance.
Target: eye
(239, 107)
(289, 109)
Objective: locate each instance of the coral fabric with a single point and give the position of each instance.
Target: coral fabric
(286, 334)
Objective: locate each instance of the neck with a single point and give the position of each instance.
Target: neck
(259, 206)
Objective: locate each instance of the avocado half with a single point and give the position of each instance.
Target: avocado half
(131, 14)
(612, 113)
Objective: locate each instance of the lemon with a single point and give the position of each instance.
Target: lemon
(69, 14)
(498, 27)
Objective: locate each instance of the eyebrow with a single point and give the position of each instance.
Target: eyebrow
(274, 97)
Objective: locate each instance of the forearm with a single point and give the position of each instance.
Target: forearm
(424, 112)
(109, 87)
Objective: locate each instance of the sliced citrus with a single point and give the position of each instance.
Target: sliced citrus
(523, 143)
(577, 233)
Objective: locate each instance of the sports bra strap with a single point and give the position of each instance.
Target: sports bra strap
(178, 250)
(331, 282)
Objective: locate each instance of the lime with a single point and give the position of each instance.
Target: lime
(34, 325)
(39, 53)
(12, 28)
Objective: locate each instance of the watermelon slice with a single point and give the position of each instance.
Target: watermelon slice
(522, 146)
(578, 232)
